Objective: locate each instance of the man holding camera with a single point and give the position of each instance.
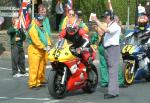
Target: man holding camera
(112, 52)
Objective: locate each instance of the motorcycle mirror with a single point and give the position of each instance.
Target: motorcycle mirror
(128, 35)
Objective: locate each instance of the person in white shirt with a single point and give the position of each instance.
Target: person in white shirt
(112, 52)
(141, 9)
(59, 13)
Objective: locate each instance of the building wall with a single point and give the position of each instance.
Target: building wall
(4, 38)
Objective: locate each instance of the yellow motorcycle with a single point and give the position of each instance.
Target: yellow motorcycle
(69, 72)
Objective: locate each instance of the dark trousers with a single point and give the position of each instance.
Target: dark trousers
(18, 59)
(58, 20)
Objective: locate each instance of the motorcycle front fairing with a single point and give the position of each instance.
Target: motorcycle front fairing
(60, 54)
(63, 57)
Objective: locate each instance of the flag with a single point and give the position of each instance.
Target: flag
(70, 4)
(24, 18)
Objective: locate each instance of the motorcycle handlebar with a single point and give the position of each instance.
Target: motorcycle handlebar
(76, 52)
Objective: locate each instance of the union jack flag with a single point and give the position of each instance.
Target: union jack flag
(24, 18)
(70, 3)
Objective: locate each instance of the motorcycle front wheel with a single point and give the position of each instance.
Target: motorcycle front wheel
(55, 88)
(128, 76)
(92, 80)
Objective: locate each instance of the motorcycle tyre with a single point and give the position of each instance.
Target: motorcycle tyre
(87, 88)
(51, 85)
(127, 67)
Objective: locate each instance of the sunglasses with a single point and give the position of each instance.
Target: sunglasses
(71, 14)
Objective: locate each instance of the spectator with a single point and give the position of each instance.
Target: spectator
(39, 42)
(17, 37)
(103, 65)
(147, 9)
(59, 13)
(80, 21)
(46, 25)
(70, 15)
(141, 9)
(42, 11)
(112, 52)
(78, 15)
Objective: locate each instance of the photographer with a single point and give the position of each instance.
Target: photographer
(112, 52)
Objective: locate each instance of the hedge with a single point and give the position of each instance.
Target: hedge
(99, 6)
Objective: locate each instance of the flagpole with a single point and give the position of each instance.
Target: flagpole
(70, 4)
(128, 16)
(32, 9)
(110, 6)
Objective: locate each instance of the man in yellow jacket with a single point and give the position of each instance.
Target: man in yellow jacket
(39, 42)
(46, 25)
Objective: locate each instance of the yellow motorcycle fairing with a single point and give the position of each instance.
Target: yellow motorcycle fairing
(61, 54)
(128, 49)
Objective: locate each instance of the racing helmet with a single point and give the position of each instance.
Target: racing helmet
(72, 26)
(142, 21)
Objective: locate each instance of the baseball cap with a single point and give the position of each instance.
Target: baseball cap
(107, 13)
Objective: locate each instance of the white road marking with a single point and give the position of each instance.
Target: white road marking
(4, 68)
(3, 97)
(1, 68)
(53, 101)
(7, 79)
(40, 99)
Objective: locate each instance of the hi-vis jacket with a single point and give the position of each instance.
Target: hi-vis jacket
(40, 37)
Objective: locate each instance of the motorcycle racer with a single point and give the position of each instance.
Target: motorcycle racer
(79, 39)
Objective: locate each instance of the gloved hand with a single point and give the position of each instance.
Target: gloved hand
(47, 48)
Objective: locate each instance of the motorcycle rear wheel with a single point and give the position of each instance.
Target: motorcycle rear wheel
(128, 76)
(92, 81)
(55, 88)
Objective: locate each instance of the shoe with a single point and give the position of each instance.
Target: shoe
(109, 96)
(123, 86)
(17, 75)
(25, 74)
(43, 84)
